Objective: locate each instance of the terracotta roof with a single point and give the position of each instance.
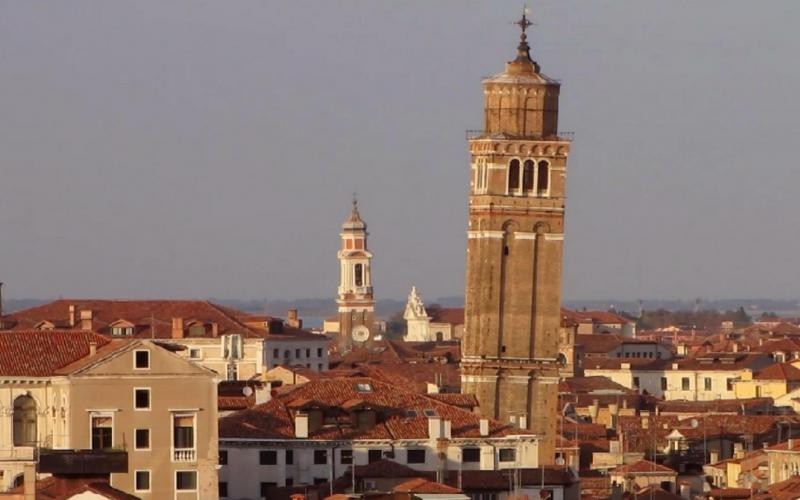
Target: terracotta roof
(401, 413)
(785, 490)
(735, 406)
(730, 493)
(590, 385)
(451, 315)
(653, 492)
(39, 353)
(391, 351)
(784, 446)
(601, 317)
(150, 318)
(719, 361)
(58, 488)
(497, 480)
(422, 485)
(642, 467)
(385, 468)
(600, 343)
(464, 401)
(779, 371)
(414, 376)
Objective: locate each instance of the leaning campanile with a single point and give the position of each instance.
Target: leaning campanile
(510, 349)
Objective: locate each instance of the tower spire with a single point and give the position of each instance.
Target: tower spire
(523, 62)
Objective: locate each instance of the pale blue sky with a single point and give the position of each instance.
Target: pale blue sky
(191, 148)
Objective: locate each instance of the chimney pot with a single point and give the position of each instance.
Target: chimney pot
(215, 329)
(177, 328)
(301, 425)
(72, 316)
(92, 348)
(86, 320)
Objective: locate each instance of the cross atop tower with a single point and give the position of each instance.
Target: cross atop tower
(524, 23)
(523, 62)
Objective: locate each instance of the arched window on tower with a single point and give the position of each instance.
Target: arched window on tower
(24, 421)
(527, 176)
(513, 176)
(359, 274)
(543, 178)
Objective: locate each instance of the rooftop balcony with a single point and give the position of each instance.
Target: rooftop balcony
(85, 462)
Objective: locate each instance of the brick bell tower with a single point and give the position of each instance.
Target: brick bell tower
(510, 357)
(355, 300)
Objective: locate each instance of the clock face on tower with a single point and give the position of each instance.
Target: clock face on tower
(360, 333)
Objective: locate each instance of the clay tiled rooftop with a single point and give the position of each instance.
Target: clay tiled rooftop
(642, 467)
(424, 486)
(451, 315)
(779, 371)
(401, 414)
(601, 317)
(42, 353)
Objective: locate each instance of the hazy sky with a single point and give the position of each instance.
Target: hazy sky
(188, 148)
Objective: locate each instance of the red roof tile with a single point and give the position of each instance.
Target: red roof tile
(275, 419)
(451, 315)
(40, 353)
(779, 371)
(422, 485)
(641, 467)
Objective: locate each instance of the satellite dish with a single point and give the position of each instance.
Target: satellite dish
(247, 391)
(694, 423)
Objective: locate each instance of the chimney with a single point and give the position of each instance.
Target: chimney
(301, 425)
(263, 393)
(484, 427)
(177, 328)
(72, 316)
(293, 320)
(86, 320)
(92, 348)
(215, 329)
(434, 427)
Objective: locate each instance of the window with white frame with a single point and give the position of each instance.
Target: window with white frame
(142, 439)
(512, 185)
(121, 331)
(141, 398)
(232, 372)
(232, 347)
(141, 359)
(102, 425)
(141, 480)
(183, 437)
(186, 480)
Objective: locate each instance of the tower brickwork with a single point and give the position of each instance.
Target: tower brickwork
(510, 347)
(355, 301)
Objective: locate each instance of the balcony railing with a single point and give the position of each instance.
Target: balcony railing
(184, 455)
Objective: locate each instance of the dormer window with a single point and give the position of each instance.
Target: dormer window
(121, 331)
(430, 412)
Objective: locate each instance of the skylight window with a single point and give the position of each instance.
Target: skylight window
(430, 413)
(412, 413)
(363, 387)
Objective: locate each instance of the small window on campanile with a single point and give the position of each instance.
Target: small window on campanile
(513, 176)
(527, 176)
(359, 275)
